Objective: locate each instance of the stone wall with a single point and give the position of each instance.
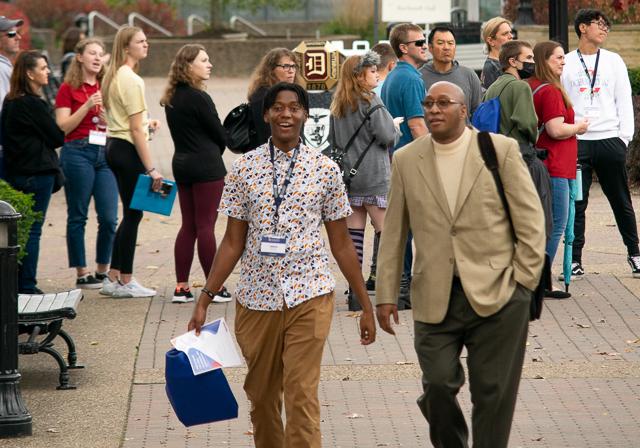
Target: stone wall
(623, 39)
(229, 58)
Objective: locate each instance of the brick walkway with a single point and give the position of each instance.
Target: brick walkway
(570, 395)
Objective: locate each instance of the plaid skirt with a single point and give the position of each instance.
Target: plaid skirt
(361, 201)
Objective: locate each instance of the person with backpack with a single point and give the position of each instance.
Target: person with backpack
(517, 113)
(556, 118)
(199, 140)
(362, 130)
(278, 65)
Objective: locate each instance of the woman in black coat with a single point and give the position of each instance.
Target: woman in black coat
(199, 140)
(30, 136)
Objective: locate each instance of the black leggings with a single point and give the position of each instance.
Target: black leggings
(123, 160)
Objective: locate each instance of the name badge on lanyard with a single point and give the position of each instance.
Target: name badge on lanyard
(275, 245)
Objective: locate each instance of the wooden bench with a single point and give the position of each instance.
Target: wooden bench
(43, 315)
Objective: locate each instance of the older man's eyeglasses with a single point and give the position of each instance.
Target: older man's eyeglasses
(441, 103)
(11, 34)
(602, 25)
(418, 43)
(287, 67)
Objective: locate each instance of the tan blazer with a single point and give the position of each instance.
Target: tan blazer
(477, 237)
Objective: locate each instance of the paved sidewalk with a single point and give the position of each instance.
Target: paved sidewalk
(580, 387)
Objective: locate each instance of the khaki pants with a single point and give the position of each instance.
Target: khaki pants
(283, 350)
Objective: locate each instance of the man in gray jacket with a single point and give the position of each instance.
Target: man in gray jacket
(9, 48)
(444, 67)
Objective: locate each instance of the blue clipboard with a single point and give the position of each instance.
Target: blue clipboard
(147, 200)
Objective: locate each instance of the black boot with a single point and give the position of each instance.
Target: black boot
(371, 281)
(352, 302)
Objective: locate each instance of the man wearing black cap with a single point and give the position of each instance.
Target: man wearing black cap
(9, 49)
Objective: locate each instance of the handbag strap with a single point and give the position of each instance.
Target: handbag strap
(367, 116)
(488, 151)
(536, 90)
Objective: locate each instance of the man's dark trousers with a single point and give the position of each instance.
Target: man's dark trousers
(608, 159)
(495, 346)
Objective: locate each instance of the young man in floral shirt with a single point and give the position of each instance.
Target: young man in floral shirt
(276, 198)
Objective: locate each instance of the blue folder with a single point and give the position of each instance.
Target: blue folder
(145, 199)
(197, 399)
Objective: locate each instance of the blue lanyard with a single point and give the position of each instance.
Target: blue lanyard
(586, 71)
(279, 193)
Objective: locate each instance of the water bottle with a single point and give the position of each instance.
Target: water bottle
(579, 183)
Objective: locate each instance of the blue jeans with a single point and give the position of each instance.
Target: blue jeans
(41, 187)
(87, 174)
(560, 203)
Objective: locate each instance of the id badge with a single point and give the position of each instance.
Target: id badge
(592, 112)
(273, 245)
(98, 138)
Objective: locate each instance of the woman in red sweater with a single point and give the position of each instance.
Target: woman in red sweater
(558, 136)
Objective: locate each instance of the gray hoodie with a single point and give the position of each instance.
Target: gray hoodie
(463, 77)
(374, 171)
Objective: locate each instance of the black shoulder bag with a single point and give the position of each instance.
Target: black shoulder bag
(491, 161)
(337, 154)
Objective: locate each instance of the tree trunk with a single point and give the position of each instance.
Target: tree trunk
(216, 14)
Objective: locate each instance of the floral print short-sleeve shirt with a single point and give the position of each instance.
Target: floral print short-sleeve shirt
(316, 194)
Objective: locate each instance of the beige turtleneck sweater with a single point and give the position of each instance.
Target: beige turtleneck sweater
(450, 159)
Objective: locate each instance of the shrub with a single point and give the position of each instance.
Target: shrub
(354, 17)
(634, 77)
(619, 11)
(23, 204)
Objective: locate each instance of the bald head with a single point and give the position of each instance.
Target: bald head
(448, 89)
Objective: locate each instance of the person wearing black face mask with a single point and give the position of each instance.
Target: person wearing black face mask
(518, 117)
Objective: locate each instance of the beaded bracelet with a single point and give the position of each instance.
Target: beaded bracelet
(208, 293)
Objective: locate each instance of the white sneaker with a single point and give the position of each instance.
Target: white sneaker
(222, 296)
(132, 289)
(108, 287)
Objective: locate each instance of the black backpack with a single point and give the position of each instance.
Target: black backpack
(240, 129)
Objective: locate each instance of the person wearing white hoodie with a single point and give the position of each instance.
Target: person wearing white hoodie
(9, 48)
(597, 83)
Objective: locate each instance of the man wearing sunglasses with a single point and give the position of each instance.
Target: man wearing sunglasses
(403, 92)
(9, 48)
(597, 83)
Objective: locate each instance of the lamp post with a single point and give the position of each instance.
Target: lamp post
(15, 419)
(525, 13)
(558, 22)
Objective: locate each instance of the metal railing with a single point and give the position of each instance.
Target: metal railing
(194, 18)
(92, 16)
(134, 15)
(245, 22)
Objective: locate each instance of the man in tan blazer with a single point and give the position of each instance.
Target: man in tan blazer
(472, 282)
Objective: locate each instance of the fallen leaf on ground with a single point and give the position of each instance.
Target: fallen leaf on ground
(634, 341)
(248, 433)
(346, 378)
(354, 415)
(536, 359)
(602, 321)
(538, 439)
(348, 359)
(538, 377)
(197, 285)
(355, 314)
(93, 343)
(404, 363)
(53, 430)
(152, 267)
(579, 325)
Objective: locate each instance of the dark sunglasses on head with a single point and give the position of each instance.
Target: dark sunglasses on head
(11, 34)
(419, 42)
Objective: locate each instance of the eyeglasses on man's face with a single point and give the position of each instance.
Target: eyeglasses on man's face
(11, 34)
(441, 103)
(418, 43)
(287, 67)
(602, 25)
